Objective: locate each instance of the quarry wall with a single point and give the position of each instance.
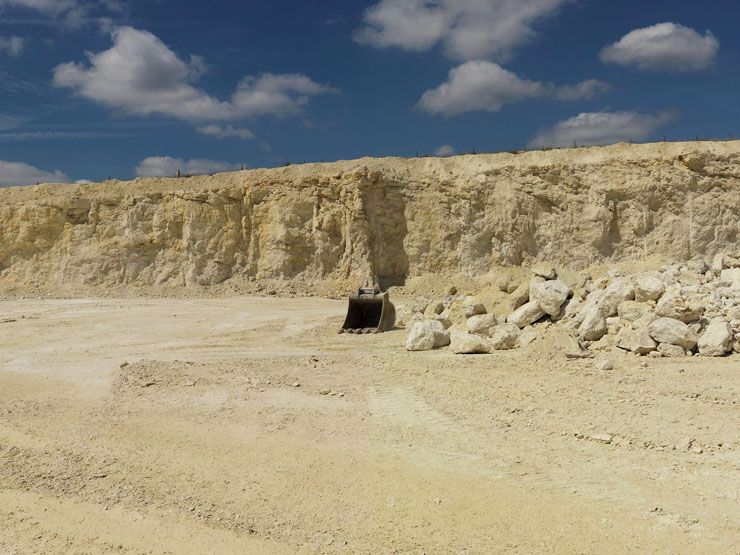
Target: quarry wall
(378, 220)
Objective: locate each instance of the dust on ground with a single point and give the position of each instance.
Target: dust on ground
(247, 425)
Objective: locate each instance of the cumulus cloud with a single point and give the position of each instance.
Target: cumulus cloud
(602, 128)
(166, 166)
(223, 132)
(18, 173)
(140, 75)
(467, 29)
(445, 150)
(665, 46)
(482, 85)
(12, 45)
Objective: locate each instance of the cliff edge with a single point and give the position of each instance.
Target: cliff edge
(377, 220)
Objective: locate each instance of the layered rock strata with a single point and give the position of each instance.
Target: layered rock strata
(378, 220)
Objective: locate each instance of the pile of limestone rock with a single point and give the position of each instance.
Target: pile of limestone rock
(677, 310)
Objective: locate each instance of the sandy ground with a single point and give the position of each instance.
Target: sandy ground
(247, 425)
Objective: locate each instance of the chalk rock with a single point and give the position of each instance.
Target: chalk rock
(549, 295)
(504, 337)
(594, 326)
(474, 308)
(671, 351)
(648, 287)
(468, 343)
(433, 309)
(519, 296)
(544, 270)
(613, 325)
(427, 335)
(444, 318)
(675, 332)
(619, 289)
(632, 310)
(716, 339)
(673, 305)
(636, 341)
(605, 365)
(527, 337)
(526, 314)
(732, 275)
(481, 324)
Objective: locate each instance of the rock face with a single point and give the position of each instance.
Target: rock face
(377, 220)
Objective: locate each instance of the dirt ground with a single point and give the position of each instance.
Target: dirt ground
(247, 425)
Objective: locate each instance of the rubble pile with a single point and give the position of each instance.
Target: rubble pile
(674, 311)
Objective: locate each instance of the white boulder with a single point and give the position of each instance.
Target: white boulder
(549, 295)
(675, 332)
(504, 337)
(671, 351)
(427, 335)
(593, 326)
(481, 324)
(636, 341)
(467, 343)
(526, 314)
(648, 287)
(717, 339)
(619, 289)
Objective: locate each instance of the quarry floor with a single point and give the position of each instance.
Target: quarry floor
(247, 425)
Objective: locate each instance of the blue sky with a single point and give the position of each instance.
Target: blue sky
(97, 88)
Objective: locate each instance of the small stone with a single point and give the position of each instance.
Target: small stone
(474, 308)
(602, 438)
(654, 354)
(544, 270)
(296, 384)
(123, 364)
(324, 391)
(605, 365)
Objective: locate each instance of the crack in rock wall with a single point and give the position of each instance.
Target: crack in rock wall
(377, 220)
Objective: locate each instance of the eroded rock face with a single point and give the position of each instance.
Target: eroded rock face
(376, 220)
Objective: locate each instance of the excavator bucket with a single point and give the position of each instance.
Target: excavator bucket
(369, 311)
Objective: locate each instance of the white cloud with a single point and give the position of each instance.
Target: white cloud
(70, 13)
(467, 29)
(223, 132)
(277, 95)
(665, 46)
(140, 75)
(166, 166)
(602, 128)
(12, 45)
(482, 85)
(445, 150)
(18, 173)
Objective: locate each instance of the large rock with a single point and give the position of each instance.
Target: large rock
(427, 335)
(648, 287)
(549, 295)
(526, 314)
(504, 337)
(619, 289)
(636, 341)
(474, 308)
(671, 351)
(633, 310)
(717, 339)
(594, 325)
(673, 305)
(519, 296)
(463, 343)
(481, 324)
(675, 332)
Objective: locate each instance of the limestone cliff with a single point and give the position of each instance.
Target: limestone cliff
(380, 220)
